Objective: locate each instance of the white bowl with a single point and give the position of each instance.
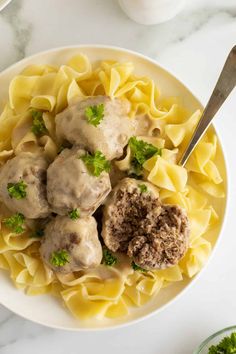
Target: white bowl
(45, 309)
(150, 12)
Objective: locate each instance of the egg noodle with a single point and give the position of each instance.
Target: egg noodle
(109, 291)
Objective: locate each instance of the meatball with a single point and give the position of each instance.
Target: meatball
(23, 185)
(128, 209)
(71, 245)
(165, 243)
(70, 185)
(109, 136)
(135, 222)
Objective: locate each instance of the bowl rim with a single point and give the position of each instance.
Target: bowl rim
(212, 336)
(219, 239)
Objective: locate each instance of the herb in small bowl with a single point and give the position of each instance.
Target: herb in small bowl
(226, 346)
(222, 342)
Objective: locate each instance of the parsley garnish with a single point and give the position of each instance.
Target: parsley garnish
(15, 223)
(17, 190)
(60, 149)
(108, 258)
(140, 152)
(74, 214)
(60, 258)
(95, 114)
(38, 233)
(38, 127)
(226, 346)
(138, 268)
(143, 188)
(96, 163)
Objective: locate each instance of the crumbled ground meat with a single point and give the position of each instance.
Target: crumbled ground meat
(126, 208)
(165, 244)
(135, 222)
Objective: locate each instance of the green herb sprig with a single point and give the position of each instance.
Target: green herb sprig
(96, 163)
(140, 152)
(108, 258)
(143, 188)
(226, 346)
(138, 268)
(38, 127)
(60, 258)
(15, 223)
(74, 214)
(95, 114)
(17, 190)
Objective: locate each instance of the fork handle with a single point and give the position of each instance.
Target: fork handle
(224, 86)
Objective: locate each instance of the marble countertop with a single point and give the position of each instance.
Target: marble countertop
(194, 46)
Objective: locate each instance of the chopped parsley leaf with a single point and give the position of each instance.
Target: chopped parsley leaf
(74, 214)
(61, 148)
(138, 268)
(15, 223)
(95, 114)
(38, 127)
(143, 188)
(60, 258)
(17, 190)
(108, 258)
(38, 233)
(226, 346)
(140, 152)
(96, 163)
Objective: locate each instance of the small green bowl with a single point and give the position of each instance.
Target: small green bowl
(214, 339)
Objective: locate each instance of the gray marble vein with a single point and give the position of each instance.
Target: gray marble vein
(5, 319)
(157, 39)
(23, 330)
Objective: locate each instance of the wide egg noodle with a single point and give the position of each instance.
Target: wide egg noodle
(109, 291)
(196, 257)
(165, 174)
(180, 134)
(12, 241)
(8, 120)
(5, 155)
(27, 271)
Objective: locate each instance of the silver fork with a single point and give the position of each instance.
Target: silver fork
(224, 86)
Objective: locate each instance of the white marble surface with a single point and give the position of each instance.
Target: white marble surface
(194, 46)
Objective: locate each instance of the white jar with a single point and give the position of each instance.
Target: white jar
(149, 12)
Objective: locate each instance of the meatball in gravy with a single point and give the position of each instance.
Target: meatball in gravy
(109, 134)
(135, 221)
(77, 240)
(71, 186)
(23, 185)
